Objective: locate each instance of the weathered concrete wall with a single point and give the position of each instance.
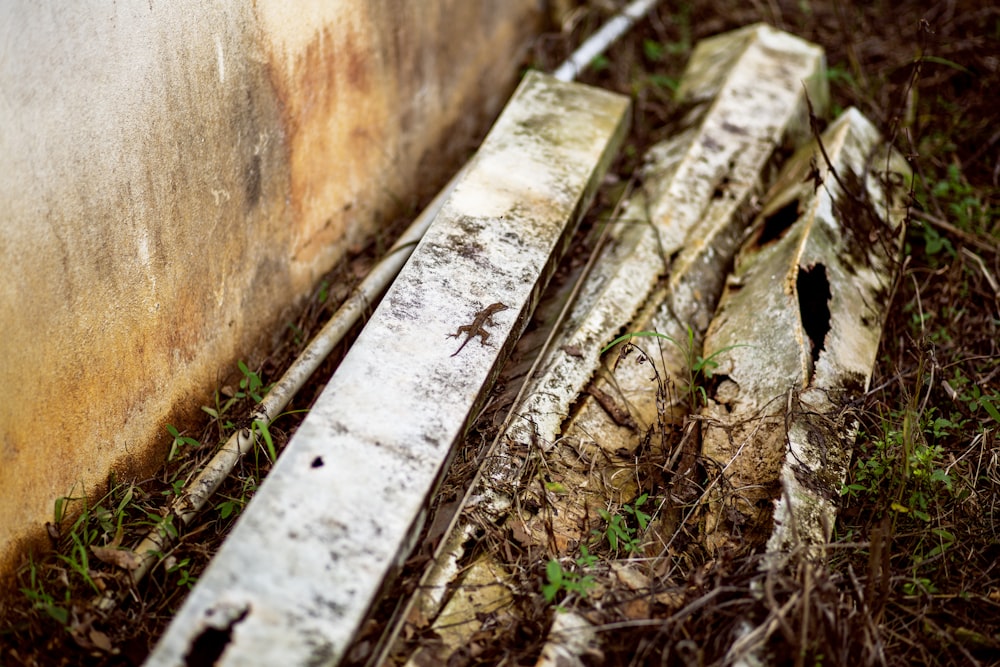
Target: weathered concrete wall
(176, 174)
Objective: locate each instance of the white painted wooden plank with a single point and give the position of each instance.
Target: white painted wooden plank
(335, 516)
(857, 242)
(800, 321)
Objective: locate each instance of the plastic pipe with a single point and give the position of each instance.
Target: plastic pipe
(597, 43)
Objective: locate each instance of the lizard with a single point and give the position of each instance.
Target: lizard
(482, 319)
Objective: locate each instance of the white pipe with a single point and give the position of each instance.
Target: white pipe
(196, 493)
(597, 43)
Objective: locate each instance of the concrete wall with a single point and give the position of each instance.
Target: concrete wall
(176, 175)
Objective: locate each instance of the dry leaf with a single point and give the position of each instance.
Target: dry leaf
(636, 609)
(630, 577)
(119, 557)
(101, 640)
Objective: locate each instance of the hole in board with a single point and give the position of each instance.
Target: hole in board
(776, 224)
(207, 648)
(814, 305)
(317, 462)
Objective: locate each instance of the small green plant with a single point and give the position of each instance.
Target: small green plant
(990, 405)
(176, 486)
(904, 466)
(297, 333)
(919, 585)
(971, 394)
(163, 524)
(85, 535)
(621, 535)
(653, 50)
(560, 580)
(219, 411)
(231, 506)
(945, 539)
(40, 598)
(600, 63)
(183, 569)
(95, 526)
(934, 242)
(840, 74)
(664, 82)
(964, 207)
(179, 442)
(228, 507)
(251, 383)
(251, 387)
(260, 428)
(954, 199)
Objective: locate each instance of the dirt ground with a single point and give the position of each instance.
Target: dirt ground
(911, 576)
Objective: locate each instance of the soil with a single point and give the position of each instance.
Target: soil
(911, 575)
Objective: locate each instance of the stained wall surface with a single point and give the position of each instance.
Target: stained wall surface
(175, 176)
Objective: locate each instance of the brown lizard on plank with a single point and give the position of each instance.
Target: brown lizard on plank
(483, 319)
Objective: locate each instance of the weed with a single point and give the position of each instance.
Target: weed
(179, 442)
(621, 535)
(919, 585)
(231, 506)
(251, 387)
(910, 477)
(218, 412)
(653, 50)
(600, 63)
(971, 395)
(297, 333)
(182, 568)
(665, 82)
(86, 560)
(964, 207)
(561, 580)
(261, 428)
(40, 598)
(989, 404)
(176, 487)
(959, 207)
(162, 524)
(251, 384)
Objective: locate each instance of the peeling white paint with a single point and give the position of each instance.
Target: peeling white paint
(624, 293)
